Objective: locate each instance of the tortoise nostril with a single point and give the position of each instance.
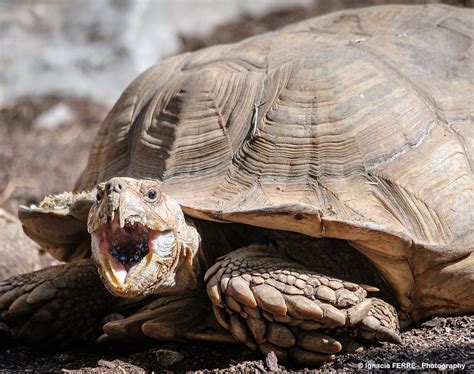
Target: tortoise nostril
(115, 186)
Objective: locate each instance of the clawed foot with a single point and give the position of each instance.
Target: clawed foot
(271, 303)
(171, 318)
(57, 304)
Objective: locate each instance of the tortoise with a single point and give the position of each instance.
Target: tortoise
(287, 192)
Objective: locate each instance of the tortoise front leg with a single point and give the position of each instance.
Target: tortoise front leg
(273, 303)
(180, 317)
(56, 305)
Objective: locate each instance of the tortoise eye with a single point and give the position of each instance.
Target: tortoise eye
(98, 197)
(151, 194)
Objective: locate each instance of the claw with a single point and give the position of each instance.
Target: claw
(333, 315)
(381, 324)
(318, 342)
(358, 312)
(380, 334)
(384, 334)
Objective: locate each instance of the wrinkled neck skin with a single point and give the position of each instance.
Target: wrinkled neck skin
(190, 267)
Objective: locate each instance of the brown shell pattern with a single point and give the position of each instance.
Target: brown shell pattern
(355, 125)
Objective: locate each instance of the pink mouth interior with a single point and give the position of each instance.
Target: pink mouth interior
(128, 245)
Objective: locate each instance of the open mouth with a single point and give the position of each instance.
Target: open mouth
(126, 250)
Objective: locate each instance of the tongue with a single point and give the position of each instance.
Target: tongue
(119, 271)
(121, 275)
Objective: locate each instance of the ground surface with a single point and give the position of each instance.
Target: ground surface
(440, 341)
(36, 159)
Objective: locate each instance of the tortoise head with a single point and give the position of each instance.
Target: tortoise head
(141, 241)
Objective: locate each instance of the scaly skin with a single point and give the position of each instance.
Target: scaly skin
(260, 295)
(266, 300)
(56, 305)
(273, 303)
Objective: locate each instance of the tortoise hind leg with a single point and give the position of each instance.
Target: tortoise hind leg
(380, 325)
(271, 302)
(180, 317)
(55, 305)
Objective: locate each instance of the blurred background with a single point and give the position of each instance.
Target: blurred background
(64, 63)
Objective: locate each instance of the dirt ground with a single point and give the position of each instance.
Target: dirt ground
(440, 341)
(36, 160)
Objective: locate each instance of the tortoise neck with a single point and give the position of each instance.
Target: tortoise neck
(191, 271)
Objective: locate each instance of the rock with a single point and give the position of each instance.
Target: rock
(272, 362)
(118, 366)
(167, 357)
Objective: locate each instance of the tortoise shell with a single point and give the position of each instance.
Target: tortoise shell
(356, 125)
